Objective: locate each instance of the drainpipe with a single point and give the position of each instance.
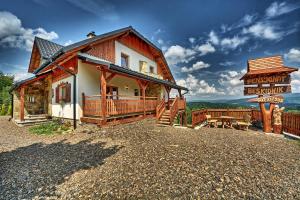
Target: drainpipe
(74, 94)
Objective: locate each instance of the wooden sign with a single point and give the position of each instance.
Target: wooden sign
(267, 90)
(270, 99)
(268, 79)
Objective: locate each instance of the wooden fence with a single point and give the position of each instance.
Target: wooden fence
(290, 121)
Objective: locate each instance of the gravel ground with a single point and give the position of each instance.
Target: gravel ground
(143, 161)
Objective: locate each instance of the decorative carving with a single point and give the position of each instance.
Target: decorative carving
(277, 113)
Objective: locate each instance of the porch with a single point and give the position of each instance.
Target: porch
(122, 108)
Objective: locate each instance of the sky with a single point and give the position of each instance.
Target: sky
(206, 43)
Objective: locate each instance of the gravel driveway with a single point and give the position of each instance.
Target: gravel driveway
(143, 161)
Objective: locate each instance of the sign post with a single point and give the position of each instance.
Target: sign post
(267, 77)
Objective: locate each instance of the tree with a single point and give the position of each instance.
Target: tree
(6, 82)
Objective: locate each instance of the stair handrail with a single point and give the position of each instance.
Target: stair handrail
(160, 109)
(173, 110)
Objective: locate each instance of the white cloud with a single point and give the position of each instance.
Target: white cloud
(265, 30)
(160, 41)
(178, 54)
(68, 42)
(192, 40)
(295, 83)
(230, 80)
(276, 9)
(213, 38)
(233, 43)
(197, 87)
(22, 76)
(227, 63)
(198, 65)
(100, 8)
(205, 49)
(293, 55)
(12, 34)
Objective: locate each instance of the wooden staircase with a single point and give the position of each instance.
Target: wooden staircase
(165, 119)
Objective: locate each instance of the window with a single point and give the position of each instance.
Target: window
(124, 60)
(151, 69)
(143, 66)
(136, 92)
(31, 99)
(112, 92)
(63, 93)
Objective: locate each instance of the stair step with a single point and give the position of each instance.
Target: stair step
(164, 122)
(163, 125)
(30, 122)
(165, 119)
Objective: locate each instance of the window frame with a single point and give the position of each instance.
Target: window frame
(153, 69)
(123, 55)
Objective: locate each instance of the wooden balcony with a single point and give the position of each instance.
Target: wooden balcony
(124, 106)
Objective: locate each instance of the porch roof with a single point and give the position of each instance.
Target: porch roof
(115, 68)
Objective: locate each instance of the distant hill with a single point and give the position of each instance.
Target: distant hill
(291, 102)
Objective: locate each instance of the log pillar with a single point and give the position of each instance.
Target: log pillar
(168, 89)
(266, 117)
(22, 103)
(103, 95)
(143, 86)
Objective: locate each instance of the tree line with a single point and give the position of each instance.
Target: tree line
(6, 82)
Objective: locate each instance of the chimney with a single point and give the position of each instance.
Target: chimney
(91, 34)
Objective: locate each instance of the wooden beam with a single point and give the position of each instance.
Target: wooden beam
(22, 103)
(110, 77)
(103, 96)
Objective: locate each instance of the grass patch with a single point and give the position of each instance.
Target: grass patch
(49, 128)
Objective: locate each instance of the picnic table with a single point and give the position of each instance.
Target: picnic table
(227, 120)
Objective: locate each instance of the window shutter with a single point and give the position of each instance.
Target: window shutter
(57, 94)
(68, 93)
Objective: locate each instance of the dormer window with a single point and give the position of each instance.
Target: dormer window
(124, 60)
(151, 69)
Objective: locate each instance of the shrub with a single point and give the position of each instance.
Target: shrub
(3, 110)
(9, 110)
(48, 128)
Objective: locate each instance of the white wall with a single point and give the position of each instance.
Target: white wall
(134, 58)
(125, 86)
(88, 81)
(65, 110)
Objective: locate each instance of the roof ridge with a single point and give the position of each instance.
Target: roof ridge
(39, 38)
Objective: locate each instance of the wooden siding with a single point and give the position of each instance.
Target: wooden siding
(105, 50)
(59, 74)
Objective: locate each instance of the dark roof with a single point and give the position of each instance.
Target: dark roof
(127, 71)
(46, 47)
(89, 40)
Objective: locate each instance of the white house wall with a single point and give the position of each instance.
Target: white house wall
(88, 81)
(126, 86)
(134, 58)
(65, 110)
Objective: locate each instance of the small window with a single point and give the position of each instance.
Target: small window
(143, 66)
(124, 60)
(136, 92)
(151, 69)
(31, 99)
(63, 93)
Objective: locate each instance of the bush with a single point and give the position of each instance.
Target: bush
(3, 110)
(9, 110)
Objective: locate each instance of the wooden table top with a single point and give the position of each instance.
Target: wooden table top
(227, 117)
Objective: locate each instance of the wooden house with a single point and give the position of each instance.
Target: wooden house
(114, 77)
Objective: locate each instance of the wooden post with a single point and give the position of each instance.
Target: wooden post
(83, 104)
(266, 117)
(144, 99)
(103, 96)
(180, 95)
(168, 89)
(22, 93)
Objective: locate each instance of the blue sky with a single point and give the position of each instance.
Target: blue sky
(207, 43)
